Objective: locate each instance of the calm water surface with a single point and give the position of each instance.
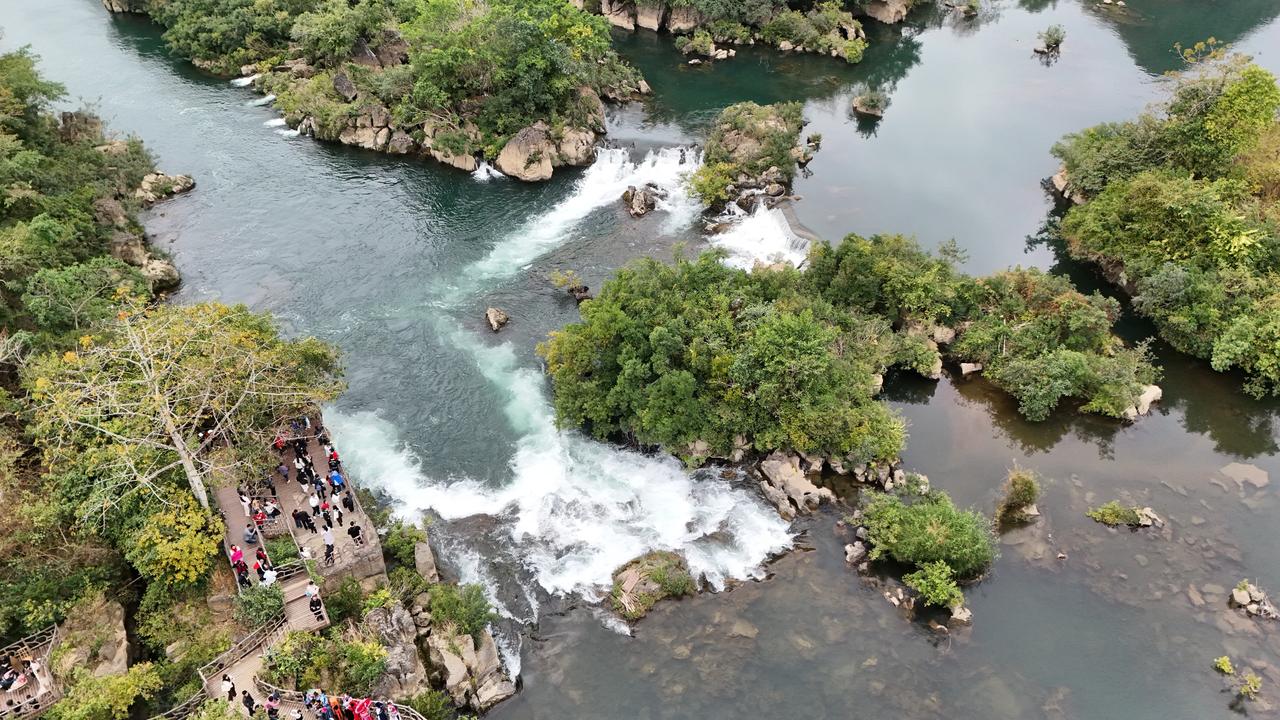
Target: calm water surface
(396, 260)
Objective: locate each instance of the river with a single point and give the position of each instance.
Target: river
(395, 261)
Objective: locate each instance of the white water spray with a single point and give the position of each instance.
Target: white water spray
(576, 509)
(264, 100)
(486, 172)
(246, 80)
(275, 122)
(600, 185)
(763, 236)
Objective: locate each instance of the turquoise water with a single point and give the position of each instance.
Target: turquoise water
(395, 261)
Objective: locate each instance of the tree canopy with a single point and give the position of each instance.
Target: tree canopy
(1183, 211)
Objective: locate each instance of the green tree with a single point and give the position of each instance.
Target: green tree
(126, 412)
(109, 697)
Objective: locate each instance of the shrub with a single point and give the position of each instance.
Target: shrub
(258, 605)
(1020, 490)
(463, 606)
(347, 602)
(399, 541)
(1052, 37)
(1224, 666)
(108, 697)
(1250, 685)
(1113, 513)
(700, 43)
(432, 705)
(936, 584)
(930, 529)
(281, 549)
(728, 31)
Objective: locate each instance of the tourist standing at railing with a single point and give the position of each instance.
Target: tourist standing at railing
(236, 554)
(250, 534)
(262, 557)
(244, 503)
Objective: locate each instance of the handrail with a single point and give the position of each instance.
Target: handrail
(32, 642)
(184, 708)
(241, 649)
(299, 696)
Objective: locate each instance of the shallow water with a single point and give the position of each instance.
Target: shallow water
(395, 261)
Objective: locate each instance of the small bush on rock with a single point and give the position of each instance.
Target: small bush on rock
(930, 529)
(936, 584)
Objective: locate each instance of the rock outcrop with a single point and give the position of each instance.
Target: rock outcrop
(93, 637)
(1062, 184)
(157, 186)
(619, 13)
(469, 671)
(887, 11)
(405, 675)
(125, 6)
(533, 153)
(643, 582)
(642, 200)
(786, 486)
(424, 561)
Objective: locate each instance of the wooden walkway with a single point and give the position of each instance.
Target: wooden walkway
(243, 662)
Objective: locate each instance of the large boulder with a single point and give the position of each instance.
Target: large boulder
(491, 685)
(1142, 404)
(650, 14)
(392, 48)
(782, 471)
(496, 318)
(129, 248)
(683, 19)
(462, 162)
(528, 155)
(888, 11)
(577, 147)
(405, 675)
(446, 652)
(125, 6)
(641, 200)
(161, 274)
(93, 637)
(157, 186)
(401, 143)
(343, 86)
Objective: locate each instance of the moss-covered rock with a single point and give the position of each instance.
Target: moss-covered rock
(641, 583)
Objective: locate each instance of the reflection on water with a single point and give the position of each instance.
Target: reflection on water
(357, 247)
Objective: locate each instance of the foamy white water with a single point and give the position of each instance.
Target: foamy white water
(287, 132)
(486, 172)
(264, 100)
(275, 122)
(246, 80)
(763, 236)
(577, 509)
(601, 184)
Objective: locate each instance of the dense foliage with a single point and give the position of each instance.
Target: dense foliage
(929, 529)
(1037, 337)
(476, 72)
(1021, 489)
(465, 607)
(68, 193)
(1183, 211)
(935, 581)
(353, 661)
(107, 697)
(672, 354)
